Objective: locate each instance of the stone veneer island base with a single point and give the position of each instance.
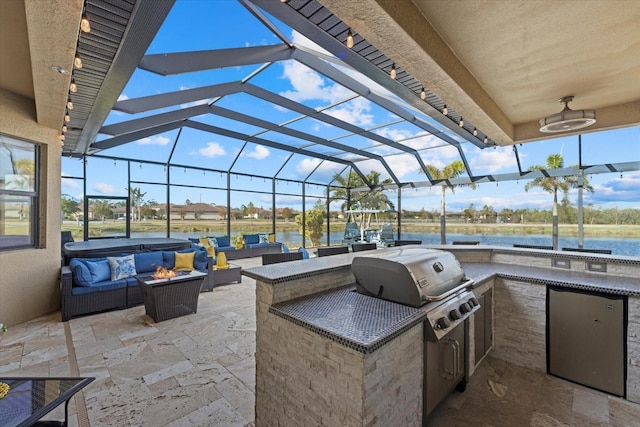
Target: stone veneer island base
(328, 356)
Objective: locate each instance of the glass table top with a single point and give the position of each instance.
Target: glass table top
(30, 398)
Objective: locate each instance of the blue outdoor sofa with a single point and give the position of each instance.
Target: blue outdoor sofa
(86, 285)
(255, 245)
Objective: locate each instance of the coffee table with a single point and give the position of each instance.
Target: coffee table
(171, 297)
(221, 276)
(31, 398)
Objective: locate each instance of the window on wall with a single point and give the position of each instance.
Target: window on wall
(18, 194)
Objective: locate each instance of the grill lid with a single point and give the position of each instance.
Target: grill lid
(409, 275)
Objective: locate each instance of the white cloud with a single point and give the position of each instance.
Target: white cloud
(354, 112)
(307, 165)
(212, 149)
(154, 140)
(70, 183)
(104, 188)
(619, 189)
(403, 164)
(326, 170)
(260, 152)
(489, 161)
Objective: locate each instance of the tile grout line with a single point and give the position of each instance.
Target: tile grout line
(81, 407)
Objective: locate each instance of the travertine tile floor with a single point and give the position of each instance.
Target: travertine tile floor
(199, 370)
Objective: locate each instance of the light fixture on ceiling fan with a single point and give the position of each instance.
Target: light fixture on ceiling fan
(568, 119)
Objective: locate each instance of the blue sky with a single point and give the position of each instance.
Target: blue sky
(203, 25)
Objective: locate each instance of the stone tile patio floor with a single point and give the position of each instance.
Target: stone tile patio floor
(199, 370)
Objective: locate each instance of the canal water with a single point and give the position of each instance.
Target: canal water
(618, 246)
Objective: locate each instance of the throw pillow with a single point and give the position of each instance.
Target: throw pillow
(271, 237)
(213, 242)
(148, 261)
(122, 267)
(263, 238)
(99, 270)
(211, 251)
(184, 261)
(251, 239)
(204, 241)
(305, 253)
(223, 240)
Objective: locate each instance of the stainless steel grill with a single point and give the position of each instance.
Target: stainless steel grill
(434, 281)
(428, 278)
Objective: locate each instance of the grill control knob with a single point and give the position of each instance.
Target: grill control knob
(473, 302)
(455, 314)
(464, 308)
(442, 323)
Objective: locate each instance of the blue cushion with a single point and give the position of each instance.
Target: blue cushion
(305, 254)
(200, 260)
(223, 241)
(225, 248)
(194, 239)
(122, 267)
(250, 239)
(99, 270)
(98, 287)
(168, 259)
(285, 248)
(80, 272)
(256, 245)
(148, 261)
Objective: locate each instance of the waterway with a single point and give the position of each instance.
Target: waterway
(618, 246)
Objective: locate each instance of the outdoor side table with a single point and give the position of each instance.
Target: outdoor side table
(31, 398)
(221, 276)
(171, 297)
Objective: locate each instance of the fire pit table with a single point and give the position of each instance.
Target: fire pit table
(169, 297)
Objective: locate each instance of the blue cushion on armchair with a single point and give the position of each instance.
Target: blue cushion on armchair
(223, 241)
(100, 271)
(80, 271)
(250, 239)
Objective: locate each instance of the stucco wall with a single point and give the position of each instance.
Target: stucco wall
(29, 277)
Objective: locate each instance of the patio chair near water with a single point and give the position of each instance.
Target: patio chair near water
(333, 250)
(268, 259)
(358, 247)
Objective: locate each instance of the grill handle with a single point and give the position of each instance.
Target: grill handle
(464, 285)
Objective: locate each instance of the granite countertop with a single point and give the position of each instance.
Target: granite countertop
(365, 323)
(600, 282)
(357, 321)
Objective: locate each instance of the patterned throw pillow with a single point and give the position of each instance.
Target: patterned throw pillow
(122, 267)
(263, 238)
(213, 242)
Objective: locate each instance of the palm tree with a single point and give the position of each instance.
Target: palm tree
(452, 170)
(372, 199)
(136, 195)
(551, 184)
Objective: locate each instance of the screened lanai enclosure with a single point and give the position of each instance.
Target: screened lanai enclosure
(204, 118)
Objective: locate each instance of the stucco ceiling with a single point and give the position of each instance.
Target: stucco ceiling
(35, 36)
(504, 64)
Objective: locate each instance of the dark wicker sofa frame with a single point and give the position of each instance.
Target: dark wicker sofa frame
(115, 299)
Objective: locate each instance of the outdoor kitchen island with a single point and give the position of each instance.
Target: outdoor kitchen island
(326, 355)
